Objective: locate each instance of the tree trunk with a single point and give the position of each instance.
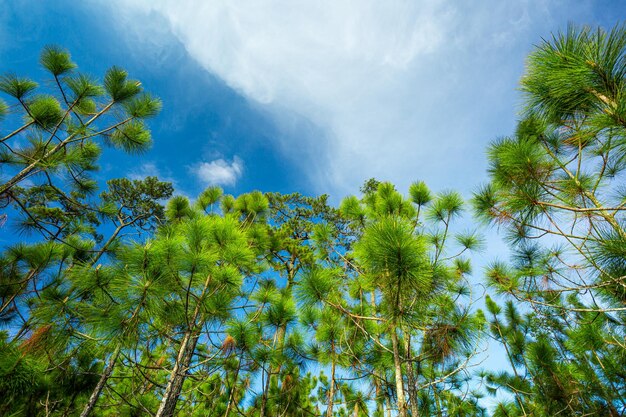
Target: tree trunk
(108, 370)
(412, 388)
(331, 391)
(178, 375)
(379, 399)
(266, 390)
(183, 359)
(279, 342)
(402, 406)
(231, 394)
(388, 403)
(518, 398)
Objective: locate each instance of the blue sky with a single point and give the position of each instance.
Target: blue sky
(312, 96)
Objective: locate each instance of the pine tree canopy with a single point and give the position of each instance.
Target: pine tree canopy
(123, 297)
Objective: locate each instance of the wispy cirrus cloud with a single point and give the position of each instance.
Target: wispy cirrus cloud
(401, 89)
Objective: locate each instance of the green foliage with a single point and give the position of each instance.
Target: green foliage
(553, 188)
(209, 197)
(580, 71)
(178, 208)
(56, 60)
(143, 106)
(17, 87)
(45, 111)
(4, 109)
(397, 258)
(132, 137)
(132, 302)
(118, 86)
(420, 194)
(83, 87)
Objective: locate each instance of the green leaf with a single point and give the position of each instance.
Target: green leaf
(252, 204)
(18, 87)
(501, 278)
(351, 208)
(485, 203)
(132, 137)
(4, 109)
(390, 250)
(56, 60)
(245, 334)
(228, 203)
(45, 111)
(420, 194)
(143, 106)
(86, 106)
(470, 241)
(447, 205)
(83, 87)
(177, 208)
(118, 86)
(209, 197)
(315, 286)
(492, 306)
(281, 312)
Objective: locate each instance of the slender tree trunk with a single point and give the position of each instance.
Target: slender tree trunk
(266, 390)
(388, 403)
(402, 406)
(279, 339)
(379, 399)
(231, 394)
(108, 370)
(331, 391)
(183, 359)
(412, 388)
(178, 374)
(518, 397)
(108, 243)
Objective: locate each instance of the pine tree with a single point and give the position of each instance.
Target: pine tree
(388, 285)
(556, 189)
(203, 260)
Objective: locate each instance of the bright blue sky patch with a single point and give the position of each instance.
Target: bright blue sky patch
(206, 134)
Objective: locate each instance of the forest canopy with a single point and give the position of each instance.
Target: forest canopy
(126, 298)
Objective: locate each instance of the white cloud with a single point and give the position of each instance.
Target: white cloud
(402, 88)
(148, 169)
(219, 171)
